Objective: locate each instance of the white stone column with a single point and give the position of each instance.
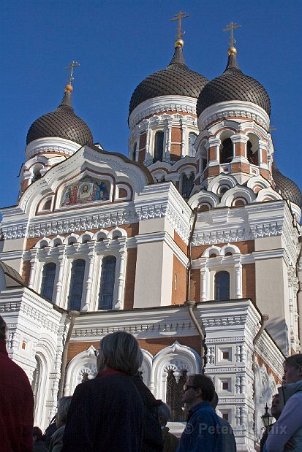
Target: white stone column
(213, 143)
(167, 140)
(90, 262)
(121, 277)
(184, 138)
(149, 152)
(33, 269)
(238, 280)
(261, 151)
(204, 283)
(60, 278)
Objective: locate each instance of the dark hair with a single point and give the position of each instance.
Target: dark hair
(37, 432)
(294, 360)
(214, 401)
(2, 329)
(205, 384)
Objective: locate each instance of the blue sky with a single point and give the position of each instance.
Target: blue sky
(118, 43)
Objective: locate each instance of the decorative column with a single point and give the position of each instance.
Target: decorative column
(59, 301)
(213, 151)
(184, 138)
(121, 276)
(238, 280)
(33, 269)
(149, 153)
(263, 162)
(168, 139)
(204, 277)
(90, 261)
(239, 146)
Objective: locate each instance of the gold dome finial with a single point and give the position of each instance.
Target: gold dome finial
(231, 27)
(179, 34)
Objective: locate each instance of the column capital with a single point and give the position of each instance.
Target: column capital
(239, 138)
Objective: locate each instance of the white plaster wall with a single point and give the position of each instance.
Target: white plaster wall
(271, 297)
(268, 243)
(13, 245)
(155, 225)
(153, 279)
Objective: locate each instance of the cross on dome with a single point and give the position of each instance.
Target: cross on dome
(179, 34)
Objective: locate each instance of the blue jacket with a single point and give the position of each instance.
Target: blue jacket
(202, 432)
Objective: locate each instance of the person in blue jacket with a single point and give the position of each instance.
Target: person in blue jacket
(203, 429)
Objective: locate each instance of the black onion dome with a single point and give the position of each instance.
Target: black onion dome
(176, 79)
(62, 123)
(287, 188)
(233, 84)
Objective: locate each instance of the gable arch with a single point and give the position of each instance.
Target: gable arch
(84, 362)
(177, 357)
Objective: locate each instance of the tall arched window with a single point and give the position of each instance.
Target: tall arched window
(252, 155)
(134, 152)
(76, 284)
(226, 151)
(174, 393)
(158, 146)
(222, 286)
(192, 139)
(187, 184)
(48, 280)
(107, 283)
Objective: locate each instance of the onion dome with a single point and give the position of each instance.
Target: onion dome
(233, 84)
(176, 79)
(62, 123)
(286, 187)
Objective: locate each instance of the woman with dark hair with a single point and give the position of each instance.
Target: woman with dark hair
(106, 413)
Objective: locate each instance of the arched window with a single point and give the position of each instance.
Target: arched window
(48, 280)
(187, 184)
(134, 152)
(76, 284)
(174, 393)
(252, 155)
(158, 146)
(222, 286)
(192, 139)
(226, 151)
(107, 283)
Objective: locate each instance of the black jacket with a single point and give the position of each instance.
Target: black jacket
(105, 415)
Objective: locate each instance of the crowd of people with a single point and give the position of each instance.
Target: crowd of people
(116, 411)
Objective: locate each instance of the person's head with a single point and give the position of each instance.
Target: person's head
(198, 388)
(293, 368)
(63, 407)
(37, 434)
(120, 351)
(276, 406)
(164, 414)
(2, 329)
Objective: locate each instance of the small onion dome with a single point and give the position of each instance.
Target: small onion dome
(233, 84)
(287, 188)
(176, 79)
(62, 123)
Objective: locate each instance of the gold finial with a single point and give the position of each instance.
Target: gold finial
(70, 68)
(231, 27)
(179, 35)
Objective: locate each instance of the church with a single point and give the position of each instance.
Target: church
(192, 244)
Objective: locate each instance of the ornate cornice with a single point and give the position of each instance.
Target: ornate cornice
(161, 104)
(233, 109)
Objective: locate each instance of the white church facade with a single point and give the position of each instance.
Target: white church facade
(192, 244)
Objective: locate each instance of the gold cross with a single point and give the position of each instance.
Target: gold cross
(179, 16)
(231, 27)
(71, 67)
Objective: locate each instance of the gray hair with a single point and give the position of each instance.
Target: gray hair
(2, 329)
(120, 351)
(164, 413)
(63, 407)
